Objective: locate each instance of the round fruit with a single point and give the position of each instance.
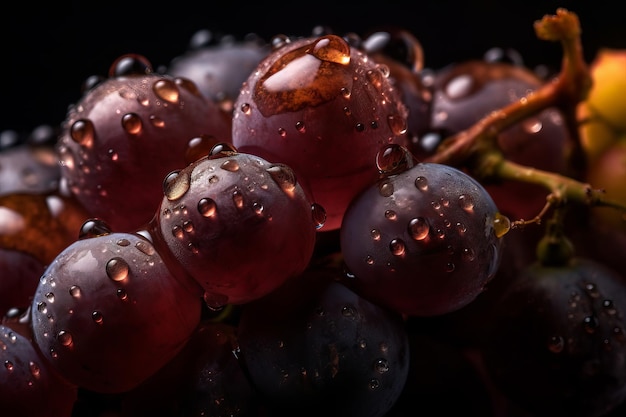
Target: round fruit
(325, 109)
(103, 304)
(239, 225)
(422, 241)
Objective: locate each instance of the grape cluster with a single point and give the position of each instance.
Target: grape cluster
(319, 225)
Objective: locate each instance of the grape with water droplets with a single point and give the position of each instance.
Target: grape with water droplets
(424, 240)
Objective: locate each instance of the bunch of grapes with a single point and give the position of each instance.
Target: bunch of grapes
(317, 224)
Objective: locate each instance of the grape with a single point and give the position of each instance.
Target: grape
(323, 108)
(465, 92)
(229, 207)
(107, 295)
(126, 133)
(30, 387)
(314, 347)
(556, 344)
(422, 241)
(249, 240)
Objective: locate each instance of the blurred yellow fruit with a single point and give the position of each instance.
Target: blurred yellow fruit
(607, 97)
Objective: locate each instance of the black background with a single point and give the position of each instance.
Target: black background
(48, 50)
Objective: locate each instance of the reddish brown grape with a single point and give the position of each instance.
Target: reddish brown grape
(126, 133)
(103, 304)
(237, 224)
(29, 387)
(324, 108)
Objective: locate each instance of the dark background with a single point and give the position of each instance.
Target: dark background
(46, 51)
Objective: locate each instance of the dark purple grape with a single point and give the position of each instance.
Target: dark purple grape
(423, 241)
(220, 66)
(314, 347)
(205, 378)
(557, 343)
(465, 92)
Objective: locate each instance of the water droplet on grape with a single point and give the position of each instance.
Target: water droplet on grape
(131, 122)
(117, 269)
(83, 132)
(167, 90)
(175, 185)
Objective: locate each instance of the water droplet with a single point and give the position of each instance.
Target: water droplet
(591, 324)
(466, 202)
(592, 290)
(8, 365)
(319, 215)
(157, 121)
(222, 150)
(121, 294)
(34, 369)
(332, 48)
(131, 123)
(83, 132)
(390, 215)
(421, 183)
(394, 159)
(75, 291)
(230, 165)
(50, 297)
(167, 90)
(348, 311)
(300, 126)
(199, 147)
(381, 365)
(145, 247)
(93, 228)
(468, 254)
(245, 108)
(375, 77)
(176, 185)
(609, 307)
(418, 228)
(532, 125)
(374, 384)
(397, 124)
(42, 307)
(282, 132)
(117, 269)
(397, 247)
(375, 234)
(65, 338)
(556, 344)
(238, 199)
(501, 225)
(97, 317)
(207, 207)
(385, 188)
(284, 176)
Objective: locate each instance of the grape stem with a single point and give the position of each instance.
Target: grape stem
(476, 148)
